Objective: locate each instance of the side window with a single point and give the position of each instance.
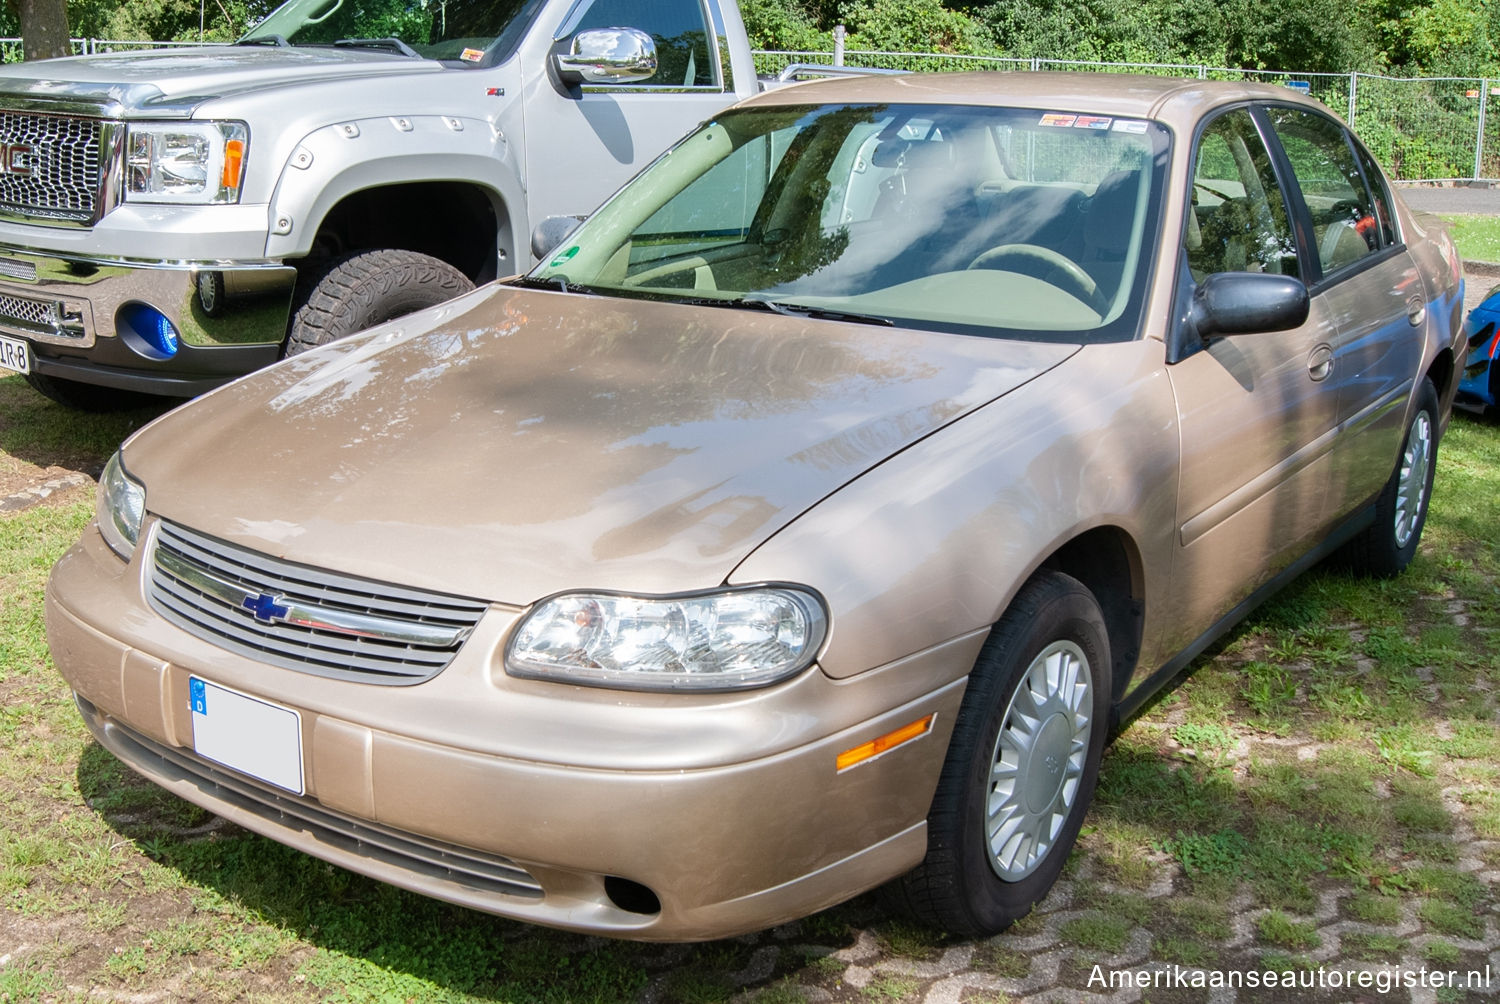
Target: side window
(1238, 219)
(1382, 194)
(1346, 220)
(678, 28)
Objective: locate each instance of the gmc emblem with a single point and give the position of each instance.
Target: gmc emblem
(18, 158)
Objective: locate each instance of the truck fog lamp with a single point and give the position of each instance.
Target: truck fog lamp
(148, 331)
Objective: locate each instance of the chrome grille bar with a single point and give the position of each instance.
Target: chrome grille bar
(304, 618)
(53, 166)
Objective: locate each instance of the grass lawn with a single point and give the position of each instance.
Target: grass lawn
(1477, 237)
(1324, 786)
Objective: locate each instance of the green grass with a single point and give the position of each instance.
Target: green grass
(1477, 237)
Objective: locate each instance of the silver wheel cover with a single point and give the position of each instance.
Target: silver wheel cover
(1411, 483)
(1038, 760)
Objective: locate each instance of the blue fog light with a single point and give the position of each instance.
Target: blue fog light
(148, 331)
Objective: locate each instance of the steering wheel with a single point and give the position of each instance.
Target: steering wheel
(1082, 283)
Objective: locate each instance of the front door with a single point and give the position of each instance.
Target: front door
(1255, 411)
(585, 141)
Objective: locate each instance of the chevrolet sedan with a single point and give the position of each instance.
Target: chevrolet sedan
(805, 523)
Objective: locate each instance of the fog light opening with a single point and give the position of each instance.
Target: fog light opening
(147, 330)
(632, 897)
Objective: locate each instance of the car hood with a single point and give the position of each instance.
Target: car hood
(168, 82)
(512, 444)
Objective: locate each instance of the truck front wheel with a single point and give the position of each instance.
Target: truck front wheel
(365, 289)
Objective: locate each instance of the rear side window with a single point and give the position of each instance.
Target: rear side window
(1345, 214)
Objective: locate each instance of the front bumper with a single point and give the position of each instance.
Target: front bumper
(542, 802)
(75, 314)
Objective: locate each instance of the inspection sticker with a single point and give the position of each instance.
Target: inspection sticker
(1054, 119)
(471, 55)
(1129, 125)
(1092, 122)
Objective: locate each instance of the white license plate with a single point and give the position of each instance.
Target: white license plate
(15, 355)
(247, 734)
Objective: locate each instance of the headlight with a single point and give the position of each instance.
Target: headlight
(725, 640)
(195, 162)
(120, 506)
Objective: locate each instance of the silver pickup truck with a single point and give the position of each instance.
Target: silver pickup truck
(172, 219)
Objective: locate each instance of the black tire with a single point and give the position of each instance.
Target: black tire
(86, 396)
(962, 886)
(1387, 545)
(367, 289)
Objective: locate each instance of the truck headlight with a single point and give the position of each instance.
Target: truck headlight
(726, 640)
(119, 508)
(185, 162)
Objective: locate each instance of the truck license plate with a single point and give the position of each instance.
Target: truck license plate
(247, 734)
(15, 355)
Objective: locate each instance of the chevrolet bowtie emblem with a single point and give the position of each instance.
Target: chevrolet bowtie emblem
(265, 608)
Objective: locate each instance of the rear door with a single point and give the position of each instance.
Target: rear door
(1373, 292)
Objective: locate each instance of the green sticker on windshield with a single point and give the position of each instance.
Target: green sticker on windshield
(563, 258)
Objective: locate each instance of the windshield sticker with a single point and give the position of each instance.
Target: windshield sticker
(1054, 119)
(471, 55)
(1092, 122)
(563, 258)
(1129, 125)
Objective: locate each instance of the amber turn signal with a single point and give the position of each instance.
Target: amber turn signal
(883, 744)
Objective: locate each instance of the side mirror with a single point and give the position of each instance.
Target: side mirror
(548, 235)
(607, 56)
(1241, 303)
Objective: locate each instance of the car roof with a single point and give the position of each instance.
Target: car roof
(1176, 101)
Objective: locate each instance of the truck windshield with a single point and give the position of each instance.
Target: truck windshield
(993, 221)
(469, 31)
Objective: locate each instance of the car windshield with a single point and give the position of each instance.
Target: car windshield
(470, 31)
(978, 220)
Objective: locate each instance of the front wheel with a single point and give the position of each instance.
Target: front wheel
(370, 288)
(1022, 764)
(1387, 545)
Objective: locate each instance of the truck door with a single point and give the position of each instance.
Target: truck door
(584, 141)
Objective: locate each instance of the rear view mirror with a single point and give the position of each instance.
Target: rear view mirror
(1241, 303)
(607, 56)
(549, 234)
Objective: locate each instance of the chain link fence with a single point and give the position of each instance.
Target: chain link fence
(1421, 129)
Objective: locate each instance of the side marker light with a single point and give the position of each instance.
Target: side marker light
(884, 744)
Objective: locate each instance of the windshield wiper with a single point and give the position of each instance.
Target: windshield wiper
(556, 282)
(277, 40)
(805, 310)
(392, 43)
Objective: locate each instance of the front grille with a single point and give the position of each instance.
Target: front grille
(472, 869)
(50, 166)
(304, 618)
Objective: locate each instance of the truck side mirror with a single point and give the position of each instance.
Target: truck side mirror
(607, 56)
(549, 234)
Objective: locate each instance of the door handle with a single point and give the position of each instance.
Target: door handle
(1320, 363)
(1416, 311)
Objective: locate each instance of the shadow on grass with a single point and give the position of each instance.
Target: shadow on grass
(46, 434)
